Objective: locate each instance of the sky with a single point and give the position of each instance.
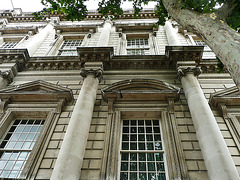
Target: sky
(35, 5)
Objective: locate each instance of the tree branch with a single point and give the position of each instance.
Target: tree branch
(226, 9)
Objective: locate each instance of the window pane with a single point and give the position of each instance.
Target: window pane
(20, 137)
(143, 136)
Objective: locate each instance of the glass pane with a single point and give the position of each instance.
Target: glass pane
(160, 166)
(27, 129)
(148, 122)
(159, 156)
(161, 176)
(10, 145)
(133, 146)
(151, 166)
(30, 137)
(34, 129)
(133, 156)
(149, 146)
(133, 137)
(157, 137)
(150, 156)
(152, 176)
(2, 164)
(26, 145)
(141, 146)
(141, 137)
(133, 176)
(124, 166)
(149, 137)
(140, 122)
(9, 165)
(22, 137)
(15, 136)
(156, 130)
(125, 130)
(125, 137)
(18, 165)
(133, 129)
(125, 146)
(19, 129)
(125, 156)
(155, 122)
(126, 122)
(133, 166)
(5, 173)
(13, 174)
(158, 146)
(124, 176)
(140, 129)
(143, 176)
(14, 156)
(149, 129)
(6, 155)
(142, 156)
(133, 122)
(142, 166)
(23, 156)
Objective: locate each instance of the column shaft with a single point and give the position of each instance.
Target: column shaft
(70, 158)
(172, 37)
(217, 157)
(105, 34)
(38, 39)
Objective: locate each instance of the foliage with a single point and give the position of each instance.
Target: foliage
(76, 9)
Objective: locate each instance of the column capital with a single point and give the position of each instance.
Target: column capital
(182, 71)
(6, 75)
(96, 72)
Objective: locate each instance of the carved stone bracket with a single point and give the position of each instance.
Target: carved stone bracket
(97, 73)
(6, 75)
(183, 71)
(95, 54)
(3, 103)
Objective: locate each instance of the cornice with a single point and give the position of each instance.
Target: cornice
(18, 56)
(28, 17)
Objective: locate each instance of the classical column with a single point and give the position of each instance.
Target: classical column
(70, 158)
(5, 78)
(217, 157)
(105, 34)
(172, 37)
(38, 39)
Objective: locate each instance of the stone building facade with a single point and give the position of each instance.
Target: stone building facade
(113, 99)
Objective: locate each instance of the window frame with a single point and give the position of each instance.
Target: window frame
(50, 117)
(143, 151)
(58, 43)
(128, 36)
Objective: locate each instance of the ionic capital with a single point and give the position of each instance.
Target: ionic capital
(97, 73)
(188, 70)
(6, 75)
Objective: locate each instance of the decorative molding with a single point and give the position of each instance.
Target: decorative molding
(3, 103)
(37, 91)
(228, 97)
(183, 71)
(97, 73)
(6, 75)
(95, 54)
(18, 56)
(140, 89)
(184, 53)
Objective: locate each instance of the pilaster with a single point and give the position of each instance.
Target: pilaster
(217, 158)
(70, 158)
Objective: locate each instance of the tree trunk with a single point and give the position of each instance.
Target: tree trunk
(220, 37)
